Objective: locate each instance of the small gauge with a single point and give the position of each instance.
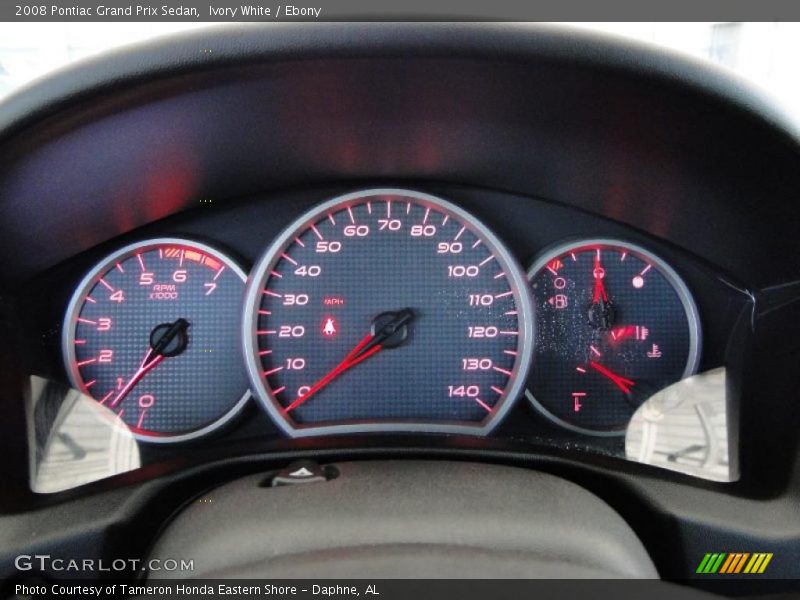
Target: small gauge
(152, 334)
(615, 324)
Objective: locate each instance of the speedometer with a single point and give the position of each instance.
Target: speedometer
(387, 310)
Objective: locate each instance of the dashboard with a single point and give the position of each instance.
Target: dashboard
(517, 245)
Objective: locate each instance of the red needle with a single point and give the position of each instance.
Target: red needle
(599, 286)
(621, 382)
(348, 362)
(146, 365)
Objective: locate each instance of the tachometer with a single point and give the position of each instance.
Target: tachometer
(615, 325)
(152, 333)
(387, 310)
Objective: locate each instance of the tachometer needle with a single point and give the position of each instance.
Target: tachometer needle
(369, 345)
(148, 363)
(166, 340)
(621, 382)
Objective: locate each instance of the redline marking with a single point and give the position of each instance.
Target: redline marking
(623, 257)
(87, 321)
(264, 352)
(89, 384)
(425, 218)
(107, 396)
(218, 273)
(103, 281)
(265, 332)
(476, 244)
(141, 262)
(499, 275)
(509, 333)
(646, 269)
(483, 404)
(316, 232)
(330, 218)
(276, 274)
(90, 299)
(580, 369)
(271, 293)
(504, 294)
(446, 217)
(595, 350)
(369, 207)
(300, 242)
(279, 390)
(574, 258)
(271, 371)
(460, 231)
(350, 212)
(265, 312)
(211, 263)
(88, 361)
(510, 312)
(486, 260)
(503, 371)
(289, 258)
(497, 389)
(119, 268)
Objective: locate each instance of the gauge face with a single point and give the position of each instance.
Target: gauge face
(615, 325)
(387, 310)
(152, 333)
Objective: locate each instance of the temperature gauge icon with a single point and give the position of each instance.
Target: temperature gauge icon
(615, 324)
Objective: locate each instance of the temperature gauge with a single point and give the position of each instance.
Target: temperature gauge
(615, 324)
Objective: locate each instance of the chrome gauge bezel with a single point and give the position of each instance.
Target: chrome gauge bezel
(675, 280)
(261, 273)
(76, 302)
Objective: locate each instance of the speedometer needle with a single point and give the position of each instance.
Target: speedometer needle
(621, 382)
(371, 344)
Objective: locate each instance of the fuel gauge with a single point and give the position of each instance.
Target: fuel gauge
(615, 324)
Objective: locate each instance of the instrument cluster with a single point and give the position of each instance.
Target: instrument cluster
(379, 310)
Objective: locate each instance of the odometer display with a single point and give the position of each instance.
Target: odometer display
(152, 334)
(387, 310)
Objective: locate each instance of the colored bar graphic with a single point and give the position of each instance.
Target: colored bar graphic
(723, 563)
(735, 562)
